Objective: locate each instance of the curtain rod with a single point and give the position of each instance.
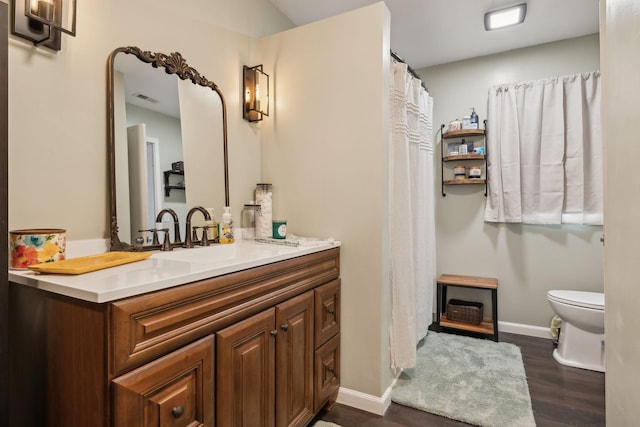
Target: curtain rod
(411, 70)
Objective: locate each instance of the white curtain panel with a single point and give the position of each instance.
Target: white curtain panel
(411, 215)
(544, 147)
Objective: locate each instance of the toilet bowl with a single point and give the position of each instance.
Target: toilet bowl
(581, 341)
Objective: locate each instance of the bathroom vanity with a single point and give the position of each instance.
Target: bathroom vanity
(232, 335)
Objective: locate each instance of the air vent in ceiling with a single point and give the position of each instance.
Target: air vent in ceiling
(144, 97)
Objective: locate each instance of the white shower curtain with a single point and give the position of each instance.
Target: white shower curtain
(545, 151)
(411, 214)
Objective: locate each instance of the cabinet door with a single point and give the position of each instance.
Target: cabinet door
(327, 302)
(294, 361)
(327, 372)
(173, 391)
(245, 366)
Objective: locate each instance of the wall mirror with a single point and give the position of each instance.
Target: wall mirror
(167, 143)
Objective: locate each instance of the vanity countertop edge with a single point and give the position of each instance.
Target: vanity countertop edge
(160, 271)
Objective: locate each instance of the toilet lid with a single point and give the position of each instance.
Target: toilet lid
(594, 300)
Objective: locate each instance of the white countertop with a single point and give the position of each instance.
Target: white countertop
(165, 269)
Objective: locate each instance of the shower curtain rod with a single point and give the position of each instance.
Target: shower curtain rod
(411, 70)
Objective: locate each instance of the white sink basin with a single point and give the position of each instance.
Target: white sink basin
(200, 255)
(231, 253)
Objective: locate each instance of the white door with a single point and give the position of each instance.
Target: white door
(145, 185)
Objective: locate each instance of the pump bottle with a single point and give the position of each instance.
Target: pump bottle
(474, 119)
(226, 226)
(212, 227)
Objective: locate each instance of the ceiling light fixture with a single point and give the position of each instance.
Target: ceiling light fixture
(506, 17)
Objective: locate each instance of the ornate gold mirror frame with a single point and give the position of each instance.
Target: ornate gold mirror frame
(172, 64)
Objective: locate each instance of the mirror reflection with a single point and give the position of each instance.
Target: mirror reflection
(167, 144)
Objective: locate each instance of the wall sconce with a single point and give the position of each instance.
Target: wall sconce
(256, 93)
(42, 21)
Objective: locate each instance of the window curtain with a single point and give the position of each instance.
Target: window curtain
(411, 215)
(544, 147)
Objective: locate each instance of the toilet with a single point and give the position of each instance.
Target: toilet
(581, 341)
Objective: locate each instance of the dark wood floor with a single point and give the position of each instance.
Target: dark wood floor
(561, 396)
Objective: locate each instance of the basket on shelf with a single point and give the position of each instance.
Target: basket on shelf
(465, 311)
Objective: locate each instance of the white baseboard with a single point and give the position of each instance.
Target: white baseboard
(521, 329)
(365, 402)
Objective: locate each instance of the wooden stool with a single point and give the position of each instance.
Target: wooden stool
(487, 327)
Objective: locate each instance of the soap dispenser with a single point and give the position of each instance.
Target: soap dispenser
(474, 119)
(211, 227)
(226, 226)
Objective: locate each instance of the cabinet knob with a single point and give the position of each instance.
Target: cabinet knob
(274, 333)
(285, 327)
(331, 311)
(329, 369)
(177, 411)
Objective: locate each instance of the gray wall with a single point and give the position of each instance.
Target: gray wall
(527, 260)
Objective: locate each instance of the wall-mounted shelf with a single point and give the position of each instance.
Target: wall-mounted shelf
(168, 187)
(476, 138)
(463, 157)
(461, 181)
(462, 133)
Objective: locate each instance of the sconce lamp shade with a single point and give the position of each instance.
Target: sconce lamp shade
(256, 93)
(43, 21)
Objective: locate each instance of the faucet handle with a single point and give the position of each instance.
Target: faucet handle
(166, 243)
(155, 240)
(205, 235)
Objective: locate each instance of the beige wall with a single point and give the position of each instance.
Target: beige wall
(324, 151)
(57, 105)
(527, 260)
(620, 20)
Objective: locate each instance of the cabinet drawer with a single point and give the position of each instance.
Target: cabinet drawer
(327, 311)
(327, 372)
(173, 391)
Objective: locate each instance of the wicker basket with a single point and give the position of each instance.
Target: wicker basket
(465, 311)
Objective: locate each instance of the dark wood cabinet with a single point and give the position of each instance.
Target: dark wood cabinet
(242, 349)
(266, 367)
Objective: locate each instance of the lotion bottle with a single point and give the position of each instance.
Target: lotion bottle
(226, 226)
(212, 230)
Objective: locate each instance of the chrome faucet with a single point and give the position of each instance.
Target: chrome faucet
(188, 242)
(176, 224)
